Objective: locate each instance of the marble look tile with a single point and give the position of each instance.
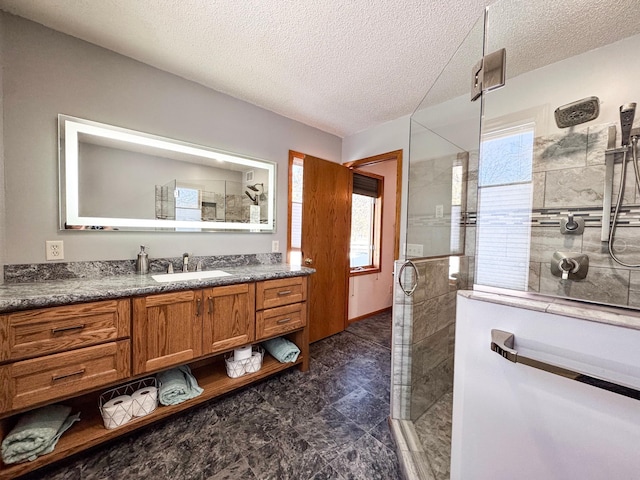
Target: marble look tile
(401, 402)
(470, 241)
(327, 473)
(634, 280)
(634, 298)
(367, 458)
(289, 457)
(363, 408)
(625, 246)
(559, 151)
(574, 187)
(434, 430)
(597, 143)
(375, 331)
(602, 285)
(293, 403)
(401, 365)
(328, 431)
(380, 386)
(429, 353)
(547, 240)
(533, 284)
(240, 469)
(538, 180)
(382, 433)
(436, 383)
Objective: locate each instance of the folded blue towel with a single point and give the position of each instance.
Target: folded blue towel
(177, 385)
(282, 349)
(37, 433)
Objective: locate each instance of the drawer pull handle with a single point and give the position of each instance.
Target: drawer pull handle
(210, 299)
(56, 378)
(198, 307)
(67, 329)
(285, 292)
(283, 320)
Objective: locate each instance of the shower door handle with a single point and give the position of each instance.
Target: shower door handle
(503, 342)
(408, 293)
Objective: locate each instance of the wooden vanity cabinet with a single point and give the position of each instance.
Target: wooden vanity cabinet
(167, 330)
(52, 353)
(229, 317)
(73, 353)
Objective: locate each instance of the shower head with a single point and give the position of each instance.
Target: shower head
(578, 112)
(627, 113)
(254, 187)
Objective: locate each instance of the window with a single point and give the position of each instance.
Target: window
(504, 208)
(296, 170)
(366, 223)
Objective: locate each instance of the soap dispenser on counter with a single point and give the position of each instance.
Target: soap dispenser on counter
(142, 262)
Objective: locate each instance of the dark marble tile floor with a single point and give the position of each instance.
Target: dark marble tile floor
(328, 423)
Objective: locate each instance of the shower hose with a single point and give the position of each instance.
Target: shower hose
(623, 177)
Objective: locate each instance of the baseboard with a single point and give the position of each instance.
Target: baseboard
(362, 317)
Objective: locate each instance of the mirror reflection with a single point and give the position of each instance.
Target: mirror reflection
(117, 179)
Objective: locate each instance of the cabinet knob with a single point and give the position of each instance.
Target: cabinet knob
(308, 261)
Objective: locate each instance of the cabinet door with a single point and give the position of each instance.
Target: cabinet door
(167, 330)
(230, 317)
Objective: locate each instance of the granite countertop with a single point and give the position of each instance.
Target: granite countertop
(24, 296)
(593, 312)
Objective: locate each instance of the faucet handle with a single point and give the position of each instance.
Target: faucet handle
(199, 266)
(170, 268)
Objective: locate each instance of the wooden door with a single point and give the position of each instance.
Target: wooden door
(167, 330)
(326, 231)
(229, 319)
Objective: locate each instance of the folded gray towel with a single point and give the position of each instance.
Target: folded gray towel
(177, 385)
(37, 433)
(282, 349)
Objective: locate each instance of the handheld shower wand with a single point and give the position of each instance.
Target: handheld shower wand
(627, 114)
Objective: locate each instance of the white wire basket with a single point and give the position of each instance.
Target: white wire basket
(238, 368)
(120, 405)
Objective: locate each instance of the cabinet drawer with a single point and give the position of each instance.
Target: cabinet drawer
(284, 291)
(279, 320)
(38, 380)
(50, 330)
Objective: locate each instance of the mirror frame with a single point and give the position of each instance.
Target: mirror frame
(69, 129)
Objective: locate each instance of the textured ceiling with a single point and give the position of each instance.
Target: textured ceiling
(340, 66)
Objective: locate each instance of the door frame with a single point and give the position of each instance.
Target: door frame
(386, 157)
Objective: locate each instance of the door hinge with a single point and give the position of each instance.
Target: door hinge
(488, 74)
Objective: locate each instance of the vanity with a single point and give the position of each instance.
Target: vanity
(67, 341)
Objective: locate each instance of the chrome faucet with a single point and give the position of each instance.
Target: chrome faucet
(185, 262)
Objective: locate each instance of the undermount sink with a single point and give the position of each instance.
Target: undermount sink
(181, 276)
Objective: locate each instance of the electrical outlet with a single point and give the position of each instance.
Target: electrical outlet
(439, 211)
(414, 250)
(275, 246)
(55, 249)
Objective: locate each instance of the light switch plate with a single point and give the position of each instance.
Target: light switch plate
(275, 246)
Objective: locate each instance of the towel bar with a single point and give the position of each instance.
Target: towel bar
(502, 343)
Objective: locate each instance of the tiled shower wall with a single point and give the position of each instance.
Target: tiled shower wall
(423, 336)
(568, 177)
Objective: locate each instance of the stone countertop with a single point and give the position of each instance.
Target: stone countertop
(592, 312)
(25, 296)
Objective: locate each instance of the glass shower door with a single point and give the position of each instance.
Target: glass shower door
(438, 260)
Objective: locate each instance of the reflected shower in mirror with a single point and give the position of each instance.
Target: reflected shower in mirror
(112, 178)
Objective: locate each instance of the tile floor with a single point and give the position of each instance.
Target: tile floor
(434, 432)
(328, 423)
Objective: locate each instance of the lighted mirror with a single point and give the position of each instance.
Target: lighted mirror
(113, 178)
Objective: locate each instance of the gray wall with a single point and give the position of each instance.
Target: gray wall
(47, 73)
(2, 216)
